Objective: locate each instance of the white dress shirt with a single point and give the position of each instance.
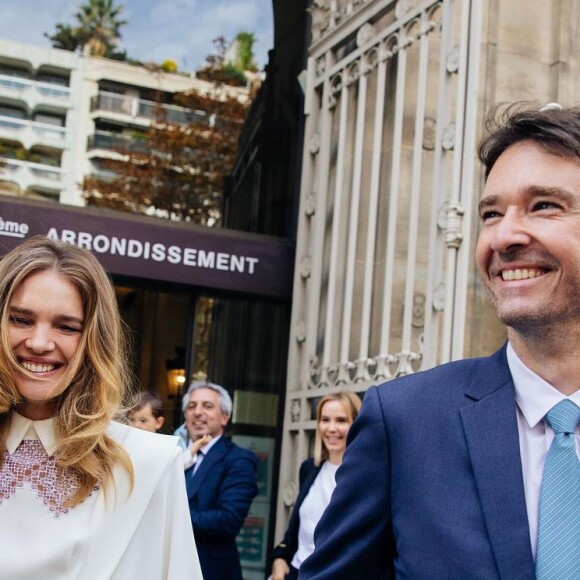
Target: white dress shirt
(534, 398)
(311, 510)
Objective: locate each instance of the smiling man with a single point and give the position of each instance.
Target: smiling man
(471, 470)
(221, 483)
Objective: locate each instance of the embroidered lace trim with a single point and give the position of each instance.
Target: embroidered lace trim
(30, 464)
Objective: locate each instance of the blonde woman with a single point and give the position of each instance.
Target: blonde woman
(81, 496)
(334, 416)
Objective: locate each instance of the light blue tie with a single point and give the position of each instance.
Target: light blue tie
(558, 551)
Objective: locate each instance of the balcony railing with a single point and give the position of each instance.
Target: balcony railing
(146, 110)
(102, 175)
(28, 173)
(52, 90)
(20, 86)
(15, 83)
(115, 142)
(32, 132)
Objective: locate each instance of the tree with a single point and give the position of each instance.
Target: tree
(98, 29)
(220, 70)
(182, 172)
(245, 53)
(66, 37)
(99, 24)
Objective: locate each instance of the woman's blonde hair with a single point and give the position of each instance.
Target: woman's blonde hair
(97, 376)
(351, 403)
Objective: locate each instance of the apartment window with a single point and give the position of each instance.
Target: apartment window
(52, 79)
(14, 72)
(12, 113)
(49, 119)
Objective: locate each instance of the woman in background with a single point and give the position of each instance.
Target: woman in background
(81, 496)
(334, 416)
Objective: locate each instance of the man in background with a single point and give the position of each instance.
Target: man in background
(221, 482)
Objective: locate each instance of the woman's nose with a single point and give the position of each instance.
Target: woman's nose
(40, 340)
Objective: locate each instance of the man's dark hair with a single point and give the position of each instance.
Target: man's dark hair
(553, 128)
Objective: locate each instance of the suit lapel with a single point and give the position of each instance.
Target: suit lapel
(491, 431)
(307, 484)
(214, 455)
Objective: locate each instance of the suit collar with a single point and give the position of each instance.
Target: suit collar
(491, 432)
(491, 375)
(214, 455)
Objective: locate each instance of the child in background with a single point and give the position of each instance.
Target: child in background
(147, 412)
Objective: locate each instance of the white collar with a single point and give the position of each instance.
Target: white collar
(23, 428)
(534, 396)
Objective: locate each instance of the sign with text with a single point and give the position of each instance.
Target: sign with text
(155, 249)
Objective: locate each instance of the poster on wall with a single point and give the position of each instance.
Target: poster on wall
(263, 447)
(253, 537)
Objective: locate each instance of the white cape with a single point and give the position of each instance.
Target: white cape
(144, 534)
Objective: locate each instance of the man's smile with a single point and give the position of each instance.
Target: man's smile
(522, 273)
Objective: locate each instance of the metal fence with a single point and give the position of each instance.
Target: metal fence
(381, 278)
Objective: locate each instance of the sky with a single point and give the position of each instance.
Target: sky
(156, 30)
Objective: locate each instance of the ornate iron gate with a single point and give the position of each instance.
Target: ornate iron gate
(388, 170)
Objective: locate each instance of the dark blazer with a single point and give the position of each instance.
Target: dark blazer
(220, 494)
(289, 545)
(431, 482)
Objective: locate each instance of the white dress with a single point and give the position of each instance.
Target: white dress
(146, 534)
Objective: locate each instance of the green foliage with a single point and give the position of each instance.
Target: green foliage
(120, 55)
(219, 70)
(97, 27)
(66, 37)
(226, 74)
(181, 174)
(245, 57)
(99, 24)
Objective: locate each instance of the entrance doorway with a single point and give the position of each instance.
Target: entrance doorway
(159, 324)
(239, 343)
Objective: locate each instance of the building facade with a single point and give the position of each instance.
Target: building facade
(63, 113)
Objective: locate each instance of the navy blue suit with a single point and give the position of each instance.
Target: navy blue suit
(220, 494)
(289, 545)
(431, 483)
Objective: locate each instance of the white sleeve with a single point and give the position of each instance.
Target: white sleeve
(163, 547)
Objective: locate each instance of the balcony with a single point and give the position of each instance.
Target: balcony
(30, 133)
(138, 111)
(32, 175)
(103, 175)
(113, 142)
(35, 93)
